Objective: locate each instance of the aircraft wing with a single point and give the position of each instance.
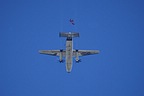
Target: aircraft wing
(52, 52)
(85, 52)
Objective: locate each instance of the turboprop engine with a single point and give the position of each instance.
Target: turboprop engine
(61, 56)
(77, 57)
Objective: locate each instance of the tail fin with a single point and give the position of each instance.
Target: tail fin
(68, 34)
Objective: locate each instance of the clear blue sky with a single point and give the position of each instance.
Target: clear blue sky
(116, 27)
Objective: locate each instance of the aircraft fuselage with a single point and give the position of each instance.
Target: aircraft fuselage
(69, 54)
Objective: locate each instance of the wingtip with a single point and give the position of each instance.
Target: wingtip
(39, 51)
(98, 51)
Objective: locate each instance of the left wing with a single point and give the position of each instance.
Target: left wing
(53, 52)
(85, 52)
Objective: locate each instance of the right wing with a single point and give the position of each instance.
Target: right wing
(85, 52)
(52, 52)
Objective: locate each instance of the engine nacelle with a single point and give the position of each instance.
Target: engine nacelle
(61, 56)
(77, 57)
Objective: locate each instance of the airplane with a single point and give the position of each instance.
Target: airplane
(69, 53)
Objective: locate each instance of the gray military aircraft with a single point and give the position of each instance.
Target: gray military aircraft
(69, 53)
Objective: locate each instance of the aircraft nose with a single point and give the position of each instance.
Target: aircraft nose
(68, 71)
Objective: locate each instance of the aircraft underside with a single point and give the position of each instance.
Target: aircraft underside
(69, 53)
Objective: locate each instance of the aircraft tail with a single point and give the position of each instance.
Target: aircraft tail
(68, 34)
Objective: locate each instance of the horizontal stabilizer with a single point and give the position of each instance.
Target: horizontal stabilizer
(68, 34)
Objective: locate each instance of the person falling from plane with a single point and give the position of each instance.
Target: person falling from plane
(72, 21)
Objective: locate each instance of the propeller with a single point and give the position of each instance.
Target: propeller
(61, 61)
(78, 61)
